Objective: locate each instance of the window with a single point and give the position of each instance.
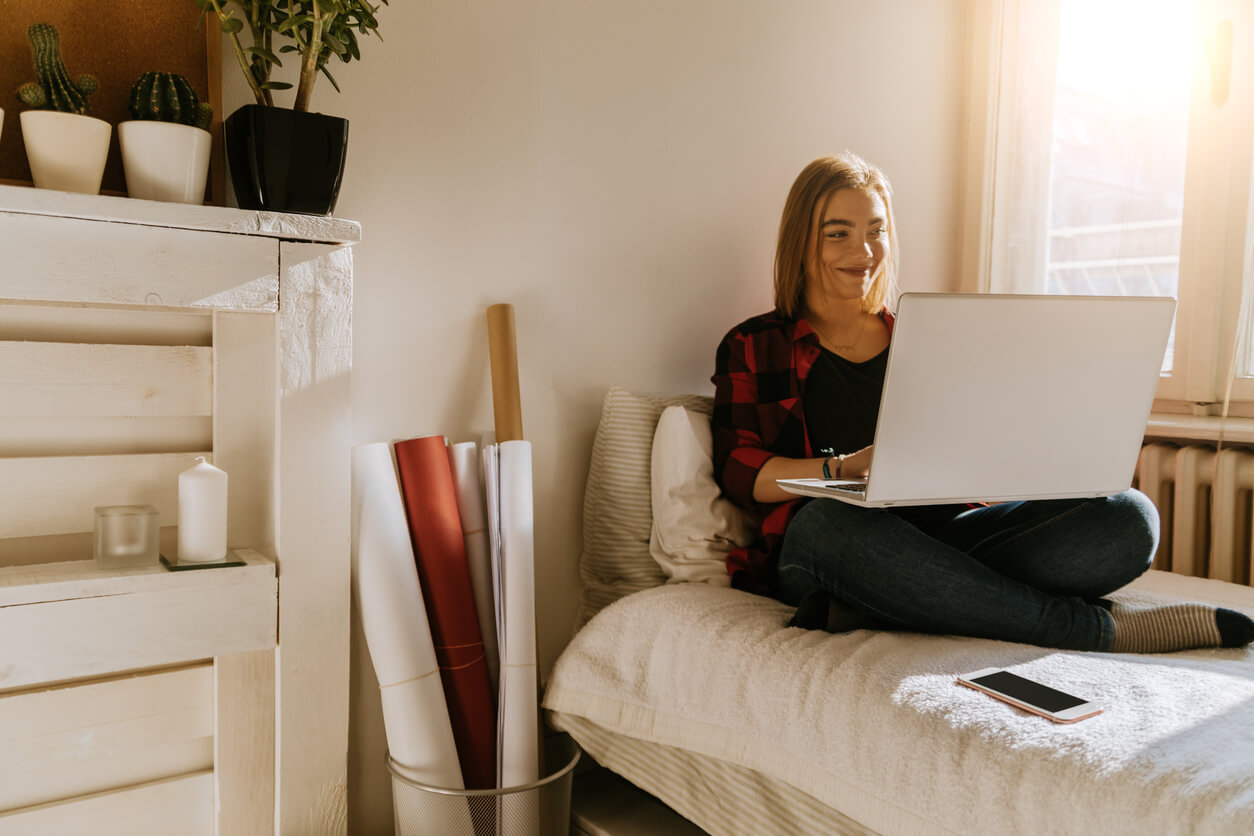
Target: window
(1119, 137)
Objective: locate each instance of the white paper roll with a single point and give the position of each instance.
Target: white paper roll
(519, 702)
(394, 620)
(464, 460)
(492, 504)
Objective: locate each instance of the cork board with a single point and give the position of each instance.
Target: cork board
(116, 41)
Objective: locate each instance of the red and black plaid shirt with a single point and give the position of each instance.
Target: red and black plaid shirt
(759, 382)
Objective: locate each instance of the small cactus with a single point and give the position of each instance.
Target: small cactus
(52, 88)
(168, 97)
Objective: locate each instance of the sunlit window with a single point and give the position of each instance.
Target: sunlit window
(1118, 151)
(1121, 164)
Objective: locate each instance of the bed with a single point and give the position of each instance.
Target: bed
(702, 696)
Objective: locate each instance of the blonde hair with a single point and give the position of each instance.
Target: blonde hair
(816, 183)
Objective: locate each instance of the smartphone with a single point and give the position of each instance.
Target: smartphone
(1030, 696)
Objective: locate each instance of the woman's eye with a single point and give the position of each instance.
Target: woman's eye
(840, 233)
(879, 233)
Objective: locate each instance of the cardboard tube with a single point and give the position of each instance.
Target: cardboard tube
(503, 354)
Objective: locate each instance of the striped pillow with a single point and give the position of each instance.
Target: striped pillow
(617, 503)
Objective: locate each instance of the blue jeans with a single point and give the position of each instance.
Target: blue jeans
(1027, 572)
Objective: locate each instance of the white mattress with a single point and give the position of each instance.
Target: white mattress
(872, 724)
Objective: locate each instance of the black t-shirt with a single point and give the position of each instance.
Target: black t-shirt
(842, 404)
(842, 401)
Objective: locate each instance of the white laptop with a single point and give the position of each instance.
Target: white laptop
(990, 398)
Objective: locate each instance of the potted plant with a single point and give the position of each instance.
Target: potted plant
(66, 147)
(281, 159)
(165, 146)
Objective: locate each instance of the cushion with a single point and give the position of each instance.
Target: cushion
(617, 505)
(694, 525)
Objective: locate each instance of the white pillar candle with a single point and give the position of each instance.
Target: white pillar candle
(202, 513)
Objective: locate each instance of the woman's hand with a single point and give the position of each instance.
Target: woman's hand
(855, 466)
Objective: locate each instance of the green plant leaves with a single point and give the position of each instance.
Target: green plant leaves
(327, 27)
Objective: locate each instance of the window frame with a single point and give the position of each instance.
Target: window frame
(1219, 187)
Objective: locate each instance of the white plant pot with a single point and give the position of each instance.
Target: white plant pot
(66, 151)
(164, 160)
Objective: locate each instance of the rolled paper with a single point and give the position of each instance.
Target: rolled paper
(519, 702)
(503, 355)
(464, 460)
(436, 532)
(492, 507)
(394, 621)
(202, 513)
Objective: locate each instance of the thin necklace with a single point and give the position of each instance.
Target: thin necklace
(857, 337)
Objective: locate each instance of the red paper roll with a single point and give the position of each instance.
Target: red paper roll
(436, 530)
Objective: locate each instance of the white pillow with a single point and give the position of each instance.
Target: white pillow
(694, 525)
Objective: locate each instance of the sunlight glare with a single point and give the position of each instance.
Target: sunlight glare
(1130, 53)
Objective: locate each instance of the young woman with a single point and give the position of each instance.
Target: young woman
(797, 394)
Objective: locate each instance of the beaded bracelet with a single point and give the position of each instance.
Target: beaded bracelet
(829, 453)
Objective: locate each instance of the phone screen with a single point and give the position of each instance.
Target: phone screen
(1025, 690)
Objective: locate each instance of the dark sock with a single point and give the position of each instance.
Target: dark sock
(811, 613)
(823, 611)
(1236, 629)
(1171, 627)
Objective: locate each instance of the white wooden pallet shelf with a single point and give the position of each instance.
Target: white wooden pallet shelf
(124, 251)
(134, 336)
(128, 210)
(76, 620)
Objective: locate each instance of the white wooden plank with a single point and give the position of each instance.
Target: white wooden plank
(103, 436)
(59, 548)
(315, 351)
(245, 404)
(175, 723)
(38, 713)
(113, 324)
(244, 739)
(92, 261)
(182, 805)
(70, 580)
(74, 380)
(73, 778)
(84, 637)
(72, 740)
(57, 495)
(185, 216)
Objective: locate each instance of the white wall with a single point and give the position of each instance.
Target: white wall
(616, 172)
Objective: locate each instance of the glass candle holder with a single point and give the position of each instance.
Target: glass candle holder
(126, 536)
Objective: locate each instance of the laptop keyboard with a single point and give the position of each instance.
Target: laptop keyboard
(855, 488)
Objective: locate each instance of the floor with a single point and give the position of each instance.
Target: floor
(605, 804)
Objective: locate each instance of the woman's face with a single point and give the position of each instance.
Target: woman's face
(851, 229)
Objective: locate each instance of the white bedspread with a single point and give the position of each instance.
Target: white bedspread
(873, 724)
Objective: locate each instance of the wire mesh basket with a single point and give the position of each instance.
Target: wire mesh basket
(541, 808)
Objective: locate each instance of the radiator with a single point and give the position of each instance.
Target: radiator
(1206, 502)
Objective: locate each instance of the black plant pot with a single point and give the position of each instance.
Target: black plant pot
(285, 160)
